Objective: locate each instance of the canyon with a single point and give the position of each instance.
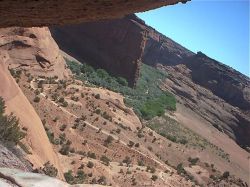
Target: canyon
(87, 133)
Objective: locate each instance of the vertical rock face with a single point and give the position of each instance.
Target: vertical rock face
(33, 50)
(115, 45)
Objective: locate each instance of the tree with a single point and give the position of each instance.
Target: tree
(9, 126)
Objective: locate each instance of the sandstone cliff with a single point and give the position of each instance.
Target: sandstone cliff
(115, 45)
(34, 51)
(50, 12)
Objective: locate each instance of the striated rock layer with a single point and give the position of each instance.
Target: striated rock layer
(58, 12)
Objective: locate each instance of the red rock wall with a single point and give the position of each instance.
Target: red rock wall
(116, 46)
(28, 13)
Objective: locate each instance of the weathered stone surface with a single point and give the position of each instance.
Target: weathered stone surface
(10, 160)
(32, 49)
(58, 12)
(15, 50)
(14, 177)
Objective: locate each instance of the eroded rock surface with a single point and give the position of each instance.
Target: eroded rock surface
(50, 12)
(33, 49)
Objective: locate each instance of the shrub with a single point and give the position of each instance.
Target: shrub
(97, 96)
(106, 116)
(78, 179)
(154, 177)
(140, 163)
(90, 164)
(102, 180)
(156, 107)
(131, 143)
(151, 169)
(122, 81)
(9, 126)
(225, 175)
(65, 149)
(109, 140)
(61, 100)
(69, 177)
(91, 155)
(180, 169)
(137, 145)
(63, 127)
(193, 161)
(50, 135)
(98, 111)
(105, 160)
(36, 99)
(65, 104)
(183, 141)
(150, 148)
(50, 170)
(127, 160)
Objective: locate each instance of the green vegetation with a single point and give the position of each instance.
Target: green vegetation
(50, 170)
(147, 99)
(105, 160)
(90, 164)
(180, 169)
(77, 179)
(108, 141)
(156, 107)
(193, 161)
(175, 132)
(9, 126)
(225, 175)
(36, 99)
(154, 177)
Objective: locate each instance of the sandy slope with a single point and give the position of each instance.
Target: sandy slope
(17, 103)
(238, 156)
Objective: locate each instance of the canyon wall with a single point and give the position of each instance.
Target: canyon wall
(216, 92)
(116, 45)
